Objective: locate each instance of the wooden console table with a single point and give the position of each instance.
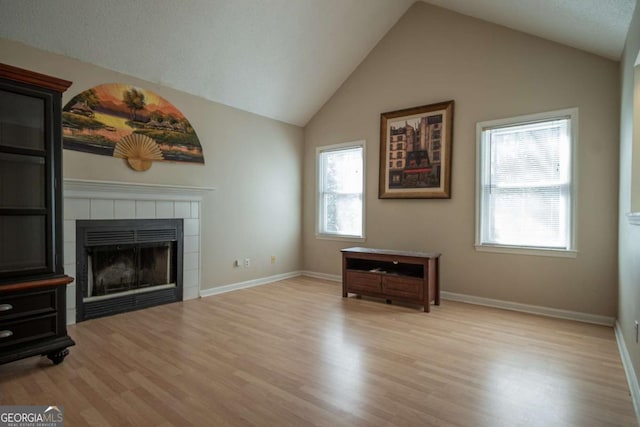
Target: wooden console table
(411, 277)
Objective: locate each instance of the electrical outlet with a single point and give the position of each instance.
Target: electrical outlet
(247, 262)
(273, 259)
(636, 322)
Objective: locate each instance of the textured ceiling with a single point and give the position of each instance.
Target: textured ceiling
(597, 26)
(282, 59)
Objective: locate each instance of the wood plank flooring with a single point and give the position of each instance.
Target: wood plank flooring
(294, 353)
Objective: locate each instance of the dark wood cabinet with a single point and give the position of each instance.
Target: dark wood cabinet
(411, 277)
(32, 280)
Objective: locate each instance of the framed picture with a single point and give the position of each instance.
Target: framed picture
(415, 152)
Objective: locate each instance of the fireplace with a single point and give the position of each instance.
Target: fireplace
(125, 265)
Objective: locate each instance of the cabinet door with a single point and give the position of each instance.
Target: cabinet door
(22, 120)
(22, 181)
(26, 181)
(23, 244)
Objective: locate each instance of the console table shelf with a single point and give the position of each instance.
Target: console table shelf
(411, 277)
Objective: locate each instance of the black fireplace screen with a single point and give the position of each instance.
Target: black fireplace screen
(115, 269)
(125, 265)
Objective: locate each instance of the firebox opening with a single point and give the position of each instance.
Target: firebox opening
(124, 265)
(127, 269)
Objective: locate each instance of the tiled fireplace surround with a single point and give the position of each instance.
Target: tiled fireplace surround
(88, 199)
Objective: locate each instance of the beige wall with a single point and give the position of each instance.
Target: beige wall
(491, 72)
(253, 162)
(431, 55)
(629, 244)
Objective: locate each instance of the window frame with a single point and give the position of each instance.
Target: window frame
(482, 163)
(634, 201)
(319, 200)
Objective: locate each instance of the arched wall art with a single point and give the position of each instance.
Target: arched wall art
(131, 123)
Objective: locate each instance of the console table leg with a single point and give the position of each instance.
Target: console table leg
(58, 356)
(434, 279)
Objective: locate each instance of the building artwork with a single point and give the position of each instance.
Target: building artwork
(415, 152)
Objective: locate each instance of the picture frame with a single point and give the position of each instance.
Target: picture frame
(415, 152)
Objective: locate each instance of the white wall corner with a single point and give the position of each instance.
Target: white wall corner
(632, 379)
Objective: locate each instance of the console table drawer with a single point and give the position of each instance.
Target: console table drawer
(406, 287)
(365, 282)
(27, 330)
(27, 304)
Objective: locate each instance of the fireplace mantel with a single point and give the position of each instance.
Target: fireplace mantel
(94, 189)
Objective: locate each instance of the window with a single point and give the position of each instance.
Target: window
(525, 189)
(634, 216)
(340, 190)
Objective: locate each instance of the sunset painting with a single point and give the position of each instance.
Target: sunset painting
(129, 122)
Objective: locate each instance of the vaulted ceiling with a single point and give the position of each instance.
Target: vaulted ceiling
(282, 59)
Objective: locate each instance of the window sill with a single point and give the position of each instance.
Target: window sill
(634, 218)
(340, 238)
(518, 250)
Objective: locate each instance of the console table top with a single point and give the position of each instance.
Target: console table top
(392, 252)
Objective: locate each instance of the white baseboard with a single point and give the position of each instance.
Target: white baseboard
(324, 276)
(533, 309)
(248, 284)
(508, 305)
(632, 379)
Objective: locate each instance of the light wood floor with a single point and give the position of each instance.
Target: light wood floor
(295, 353)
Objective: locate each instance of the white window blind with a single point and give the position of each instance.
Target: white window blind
(525, 184)
(340, 191)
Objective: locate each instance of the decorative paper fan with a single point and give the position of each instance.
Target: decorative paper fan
(139, 150)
